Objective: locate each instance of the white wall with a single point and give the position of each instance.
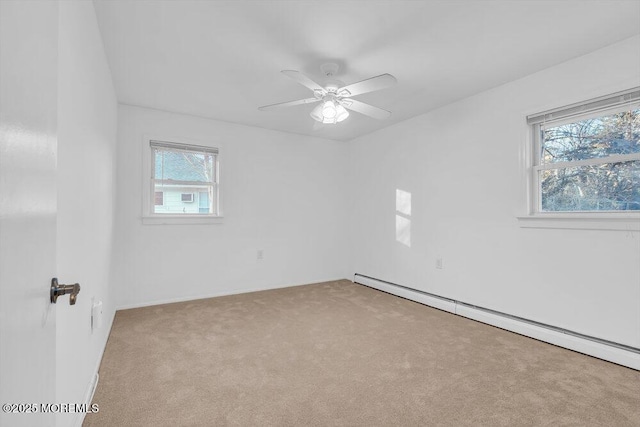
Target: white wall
(281, 193)
(462, 165)
(87, 129)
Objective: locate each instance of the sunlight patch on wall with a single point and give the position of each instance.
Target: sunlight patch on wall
(403, 202)
(403, 230)
(403, 222)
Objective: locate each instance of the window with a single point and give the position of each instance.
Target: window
(587, 157)
(180, 173)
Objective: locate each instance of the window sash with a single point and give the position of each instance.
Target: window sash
(537, 182)
(538, 196)
(538, 130)
(214, 201)
(214, 177)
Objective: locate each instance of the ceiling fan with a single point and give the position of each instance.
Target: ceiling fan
(335, 97)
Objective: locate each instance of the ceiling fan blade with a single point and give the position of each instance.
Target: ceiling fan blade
(374, 83)
(366, 109)
(303, 80)
(288, 104)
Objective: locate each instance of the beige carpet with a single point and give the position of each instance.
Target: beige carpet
(339, 353)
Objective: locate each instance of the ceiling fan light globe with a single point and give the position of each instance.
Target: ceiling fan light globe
(316, 114)
(341, 113)
(329, 121)
(329, 110)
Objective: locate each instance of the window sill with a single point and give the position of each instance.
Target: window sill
(181, 220)
(582, 221)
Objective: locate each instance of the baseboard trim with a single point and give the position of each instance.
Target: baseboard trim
(215, 294)
(610, 351)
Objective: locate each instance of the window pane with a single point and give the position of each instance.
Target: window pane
(592, 138)
(181, 199)
(603, 187)
(203, 202)
(183, 165)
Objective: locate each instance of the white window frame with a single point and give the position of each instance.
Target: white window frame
(148, 188)
(599, 220)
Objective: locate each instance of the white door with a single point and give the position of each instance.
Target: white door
(28, 115)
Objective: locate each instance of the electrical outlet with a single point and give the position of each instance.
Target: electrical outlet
(439, 263)
(260, 254)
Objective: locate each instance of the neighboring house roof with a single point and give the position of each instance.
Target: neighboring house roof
(181, 166)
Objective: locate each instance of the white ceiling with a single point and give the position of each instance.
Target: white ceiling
(222, 59)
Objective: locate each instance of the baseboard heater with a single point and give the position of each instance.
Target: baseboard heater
(607, 350)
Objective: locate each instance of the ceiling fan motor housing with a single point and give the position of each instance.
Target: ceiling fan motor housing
(332, 86)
